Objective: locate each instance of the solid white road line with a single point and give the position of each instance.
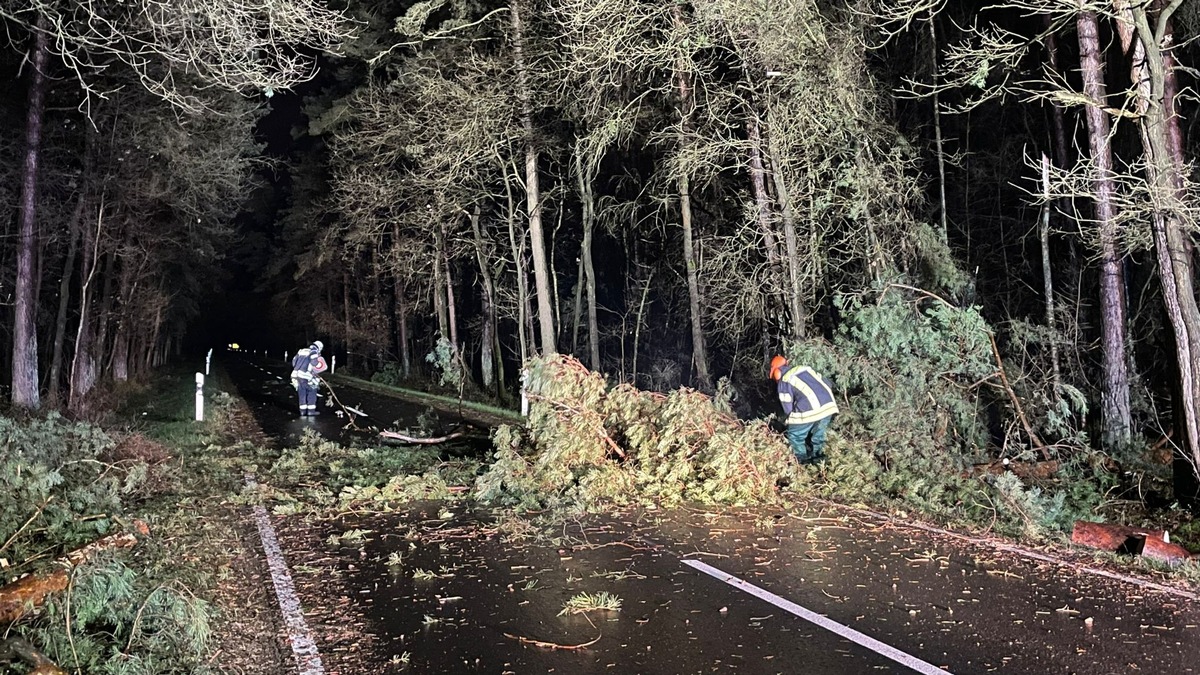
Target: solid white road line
(303, 646)
(828, 624)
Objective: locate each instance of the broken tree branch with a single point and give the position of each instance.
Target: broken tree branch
(12, 649)
(396, 435)
(30, 592)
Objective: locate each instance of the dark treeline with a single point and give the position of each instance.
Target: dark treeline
(670, 191)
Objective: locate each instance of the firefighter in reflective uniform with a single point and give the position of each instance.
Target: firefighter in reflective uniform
(808, 405)
(307, 365)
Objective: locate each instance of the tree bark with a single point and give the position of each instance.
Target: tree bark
(25, 392)
(64, 297)
(1114, 397)
(765, 211)
(533, 200)
(491, 365)
(439, 299)
(83, 363)
(1173, 246)
(938, 149)
(795, 298)
(683, 83)
(518, 252)
(1048, 278)
(587, 201)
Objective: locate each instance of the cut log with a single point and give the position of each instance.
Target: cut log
(26, 593)
(1164, 551)
(1114, 538)
(396, 435)
(16, 648)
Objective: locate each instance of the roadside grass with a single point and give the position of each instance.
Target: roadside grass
(157, 607)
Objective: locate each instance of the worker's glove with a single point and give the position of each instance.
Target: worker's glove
(316, 383)
(296, 383)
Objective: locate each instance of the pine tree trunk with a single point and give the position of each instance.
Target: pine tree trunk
(699, 355)
(938, 149)
(451, 315)
(796, 300)
(588, 280)
(64, 298)
(490, 364)
(346, 320)
(83, 363)
(1048, 278)
(25, 392)
(533, 199)
(1114, 397)
(683, 83)
(439, 299)
(764, 210)
(402, 326)
(518, 252)
(1162, 141)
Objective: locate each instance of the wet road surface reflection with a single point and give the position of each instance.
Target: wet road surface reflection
(445, 589)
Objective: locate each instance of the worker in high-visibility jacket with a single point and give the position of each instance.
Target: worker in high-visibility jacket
(306, 367)
(808, 405)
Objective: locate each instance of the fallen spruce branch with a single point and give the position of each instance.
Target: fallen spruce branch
(551, 645)
(13, 649)
(396, 435)
(30, 592)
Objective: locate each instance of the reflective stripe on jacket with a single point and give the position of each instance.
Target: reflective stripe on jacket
(805, 395)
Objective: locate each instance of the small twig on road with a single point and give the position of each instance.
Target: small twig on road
(552, 645)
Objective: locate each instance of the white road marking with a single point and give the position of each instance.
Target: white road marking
(828, 624)
(308, 660)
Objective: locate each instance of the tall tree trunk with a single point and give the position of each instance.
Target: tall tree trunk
(83, 363)
(765, 211)
(1162, 141)
(795, 298)
(346, 319)
(100, 349)
(491, 366)
(451, 315)
(518, 251)
(938, 149)
(439, 298)
(683, 83)
(1114, 391)
(584, 177)
(119, 359)
(64, 296)
(533, 198)
(402, 326)
(25, 392)
(1048, 278)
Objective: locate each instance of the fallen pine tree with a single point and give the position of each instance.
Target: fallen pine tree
(586, 444)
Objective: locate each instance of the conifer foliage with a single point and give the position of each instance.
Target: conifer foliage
(587, 444)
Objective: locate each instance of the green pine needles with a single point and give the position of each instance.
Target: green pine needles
(587, 445)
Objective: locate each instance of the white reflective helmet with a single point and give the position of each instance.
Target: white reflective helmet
(318, 346)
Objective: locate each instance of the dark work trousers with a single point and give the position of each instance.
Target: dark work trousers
(308, 398)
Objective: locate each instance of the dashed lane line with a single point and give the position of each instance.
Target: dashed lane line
(308, 660)
(903, 658)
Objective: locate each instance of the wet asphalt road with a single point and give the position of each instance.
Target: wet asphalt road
(961, 606)
(266, 386)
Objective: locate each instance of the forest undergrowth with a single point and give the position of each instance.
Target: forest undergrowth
(151, 470)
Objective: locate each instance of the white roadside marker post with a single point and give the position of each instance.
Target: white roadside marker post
(333, 365)
(199, 397)
(207, 361)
